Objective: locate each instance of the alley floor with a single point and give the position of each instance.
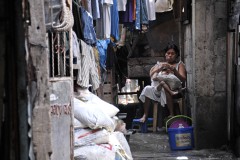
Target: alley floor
(155, 146)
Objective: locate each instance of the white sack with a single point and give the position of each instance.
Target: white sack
(106, 107)
(95, 152)
(91, 98)
(77, 124)
(117, 139)
(87, 136)
(92, 116)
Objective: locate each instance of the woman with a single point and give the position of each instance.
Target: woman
(163, 95)
(167, 80)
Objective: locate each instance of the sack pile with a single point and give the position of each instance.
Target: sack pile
(98, 133)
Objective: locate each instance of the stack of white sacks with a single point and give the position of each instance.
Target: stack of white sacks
(98, 133)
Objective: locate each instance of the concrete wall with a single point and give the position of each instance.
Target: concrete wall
(61, 119)
(188, 60)
(205, 56)
(38, 76)
(233, 12)
(52, 129)
(2, 61)
(164, 31)
(234, 15)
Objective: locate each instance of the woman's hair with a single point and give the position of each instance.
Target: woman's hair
(172, 46)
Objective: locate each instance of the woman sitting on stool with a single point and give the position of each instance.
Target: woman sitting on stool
(159, 90)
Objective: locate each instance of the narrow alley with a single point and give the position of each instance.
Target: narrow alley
(76, 74)
(155, 146)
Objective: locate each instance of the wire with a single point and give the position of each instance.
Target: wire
(76, 3)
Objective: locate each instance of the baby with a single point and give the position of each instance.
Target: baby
(168, 81)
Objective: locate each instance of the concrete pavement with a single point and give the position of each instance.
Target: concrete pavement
(155, 146)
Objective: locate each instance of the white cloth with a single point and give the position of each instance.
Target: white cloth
(152, 93)
(110, 2)
(99, 22)
(122, 5)
(88, 68)
(163, 5)
(171, 80)
(150, 4)
(107, 20)
(75, 46)
(103, 24)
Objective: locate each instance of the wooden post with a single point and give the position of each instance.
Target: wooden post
(155, 111)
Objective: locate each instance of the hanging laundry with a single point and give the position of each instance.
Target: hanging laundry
(110, 60)
(141, 14)
(97, 59)
(134, 9)
(89, 71)
(138, 16)
(163, 5)
(95, 9)
(75, 48)
(89, 35)
(122, 5)
(150, 4)
(87, 5)
(114, 21)
(121, 65)
(77, 20)
(103, 24)
(122, 31)
(102, 46)
(127, 16)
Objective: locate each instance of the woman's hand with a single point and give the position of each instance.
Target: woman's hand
(166, 66)
(172, 68)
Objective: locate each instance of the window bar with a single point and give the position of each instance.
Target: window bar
(52, 53)
(64, 54)
(70, 54)
(58, 51)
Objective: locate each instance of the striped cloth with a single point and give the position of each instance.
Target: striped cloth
(89, 71)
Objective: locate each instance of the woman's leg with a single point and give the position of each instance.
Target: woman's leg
(169, 93)
(166, 87)
(146, 110)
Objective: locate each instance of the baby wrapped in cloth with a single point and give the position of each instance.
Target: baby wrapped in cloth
(161, 81)
(170, 79)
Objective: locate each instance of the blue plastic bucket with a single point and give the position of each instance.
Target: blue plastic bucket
(181, 138)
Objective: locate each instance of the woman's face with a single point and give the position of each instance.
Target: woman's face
(170, 56)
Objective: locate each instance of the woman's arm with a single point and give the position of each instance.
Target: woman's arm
(154, 76)
(155, 69)
(181, 73)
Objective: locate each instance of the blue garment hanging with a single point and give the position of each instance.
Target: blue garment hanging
(102, 46)
(89, 35)
(114, 21)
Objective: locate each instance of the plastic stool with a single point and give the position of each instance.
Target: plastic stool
(142, 126)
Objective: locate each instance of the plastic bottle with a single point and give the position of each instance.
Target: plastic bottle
(180, 125)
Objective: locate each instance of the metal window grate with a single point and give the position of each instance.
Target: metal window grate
(59, 48)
